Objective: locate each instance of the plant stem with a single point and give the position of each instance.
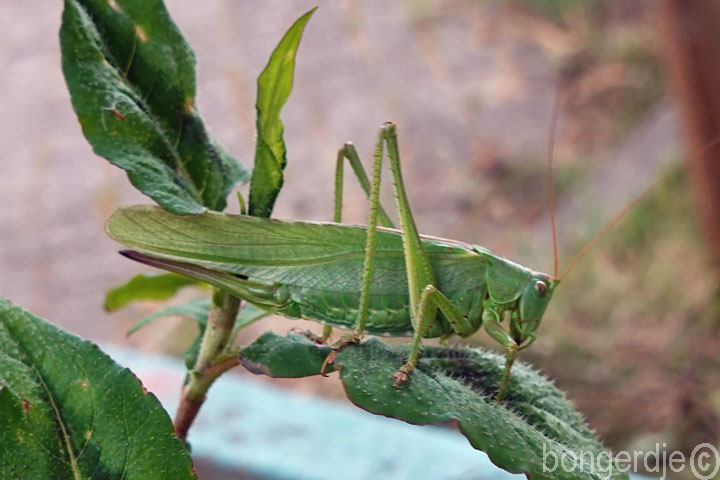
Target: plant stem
(207, 367)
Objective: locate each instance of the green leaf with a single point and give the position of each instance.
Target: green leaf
(197, 310)
(294, 356)
(452, 385)
(67, 411)
(131, 77)
(274, 86)
(147, 287)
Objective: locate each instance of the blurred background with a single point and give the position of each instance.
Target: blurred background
(632, 333)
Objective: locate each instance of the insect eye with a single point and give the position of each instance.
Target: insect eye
(540, 288)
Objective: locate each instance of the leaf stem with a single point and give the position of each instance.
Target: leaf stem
(212, 361)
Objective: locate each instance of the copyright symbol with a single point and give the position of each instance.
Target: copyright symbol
(704, 457)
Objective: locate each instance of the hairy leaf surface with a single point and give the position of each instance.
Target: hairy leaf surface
(536, 423)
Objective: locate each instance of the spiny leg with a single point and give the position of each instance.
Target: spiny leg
(337, 218)
(431, 300)
(425, 299)
(371, 240)
(419, 271)
(492, 325)
(348, 152)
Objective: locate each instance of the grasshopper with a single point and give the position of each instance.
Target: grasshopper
(375, 279)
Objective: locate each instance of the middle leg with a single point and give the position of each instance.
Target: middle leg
(431, 301)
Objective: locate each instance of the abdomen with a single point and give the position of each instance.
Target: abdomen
(330, 293)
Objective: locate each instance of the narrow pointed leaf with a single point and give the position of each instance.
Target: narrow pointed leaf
(147, 287)
(131, 78)
(274, 86)
(67, 411)
(197, 310)
(535, 424)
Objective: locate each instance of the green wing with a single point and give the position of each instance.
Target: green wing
(324, 256)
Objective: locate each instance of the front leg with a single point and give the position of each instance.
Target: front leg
(492, 325)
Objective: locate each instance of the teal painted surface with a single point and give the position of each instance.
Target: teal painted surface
(278, 434)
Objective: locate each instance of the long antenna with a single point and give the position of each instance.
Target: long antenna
(550, 155)
(625, 210)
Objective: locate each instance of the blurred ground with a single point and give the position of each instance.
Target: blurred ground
(633, 330)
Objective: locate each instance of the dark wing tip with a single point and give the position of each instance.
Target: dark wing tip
(141, 257)
(131, 254)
